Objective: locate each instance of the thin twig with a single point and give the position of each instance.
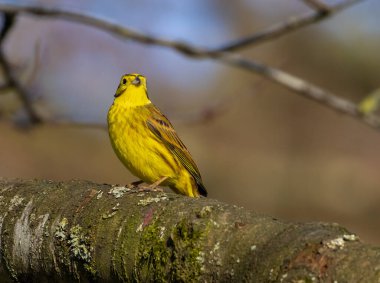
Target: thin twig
(9, 19)
(269, 33)
(10, 81)
(282, 28)
(297, 85)
(289, 81)
(318, 5)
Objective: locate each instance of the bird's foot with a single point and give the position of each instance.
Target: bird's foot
(149, 188)
(143, 187)
(134, 184)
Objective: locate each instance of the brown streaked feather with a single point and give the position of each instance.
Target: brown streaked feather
(162, 129)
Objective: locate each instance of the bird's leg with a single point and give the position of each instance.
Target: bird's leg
(158, 182)
(154, 186)
(134, 184)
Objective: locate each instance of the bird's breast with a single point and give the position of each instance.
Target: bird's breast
(137, 147)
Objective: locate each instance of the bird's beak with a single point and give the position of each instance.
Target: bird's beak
(119, 90)
(136, 81)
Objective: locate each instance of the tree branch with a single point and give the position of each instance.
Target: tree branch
(82, 231)
(318, 5)
(269, 33)
(287, 26)
(291, 82)
(10, 81)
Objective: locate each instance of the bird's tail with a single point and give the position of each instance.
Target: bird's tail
(201, 188)
(191, 187)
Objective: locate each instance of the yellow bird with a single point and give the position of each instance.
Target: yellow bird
(147, 144)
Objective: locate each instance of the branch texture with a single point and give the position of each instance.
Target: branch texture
(82, 231)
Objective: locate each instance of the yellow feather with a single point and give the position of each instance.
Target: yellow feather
(146, 143)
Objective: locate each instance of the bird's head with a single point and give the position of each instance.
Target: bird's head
(132, 91)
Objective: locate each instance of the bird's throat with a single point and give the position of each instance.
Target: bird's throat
(132, 97)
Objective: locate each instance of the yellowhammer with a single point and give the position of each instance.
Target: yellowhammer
(147, 144)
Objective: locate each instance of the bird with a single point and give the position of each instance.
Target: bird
(146, 143)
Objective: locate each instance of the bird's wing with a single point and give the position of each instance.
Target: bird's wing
(165, 132)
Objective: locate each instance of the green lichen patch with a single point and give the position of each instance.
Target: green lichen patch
(118, 191)
(99, 195)
(112, 212)
(153, 254)
(187, 254)
(174, 255)
(205, 211)
(61, 230)
(79, 245)
(149, 200)
(350, 237)
(80, 249)
(108, 215)
(215, 258)
(15, 201)
(335, 244)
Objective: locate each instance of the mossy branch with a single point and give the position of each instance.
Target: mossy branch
(82, 231)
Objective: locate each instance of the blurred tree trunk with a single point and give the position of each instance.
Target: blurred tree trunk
(82, 231)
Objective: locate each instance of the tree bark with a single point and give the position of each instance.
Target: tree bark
(87, 232)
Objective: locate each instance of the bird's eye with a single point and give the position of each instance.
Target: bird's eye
(124, 81)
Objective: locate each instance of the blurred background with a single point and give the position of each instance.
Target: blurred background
(257, 144)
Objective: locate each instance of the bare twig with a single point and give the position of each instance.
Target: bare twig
(9, 19)
(282, 28)
(10, 81)
(319, 6)
(289, 81)
(299, 86)
(272, 32)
